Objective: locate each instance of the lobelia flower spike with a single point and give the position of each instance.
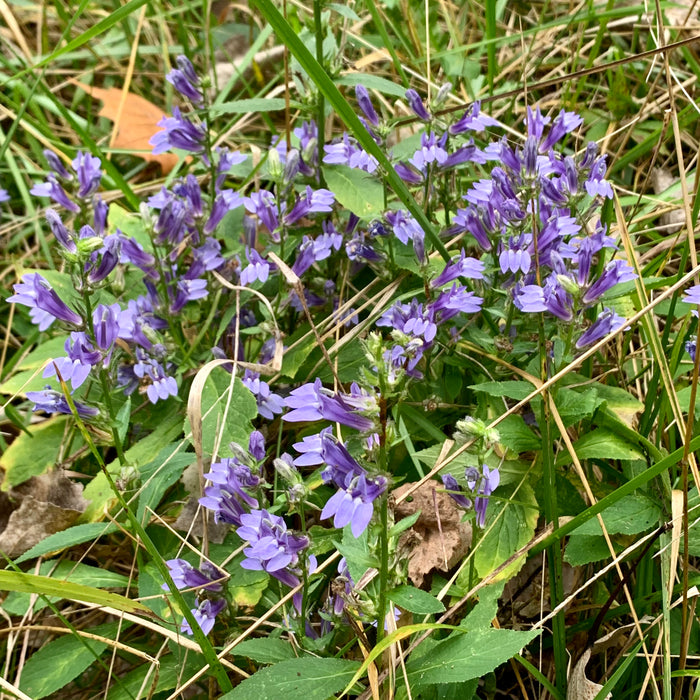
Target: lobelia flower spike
(489, 482)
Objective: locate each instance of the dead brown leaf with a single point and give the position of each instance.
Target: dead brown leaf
(439, 539)
(135, 120)
(38, 508)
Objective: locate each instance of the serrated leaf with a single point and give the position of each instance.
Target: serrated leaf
(510, 526)
(629, 516)
(67, 538)
(604, 444)
(356, 190)
(308, 678)
(516, 436)
(265, 650)
(404, 524)
(31, 455)
(159, 476)
(415, 600)
(246, 586)
(43, 585)
(66, 657)
(466, 656)
(17, 603)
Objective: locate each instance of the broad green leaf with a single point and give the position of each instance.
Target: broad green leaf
(171, 671)
(18, 603)
(265, 650)
(356, 553)
(510, 525)
(344, 11)
(584, 549)
(57, 663)
(230, 424)
(356, 190)
(31, 455)
(98, 491)
(509, 389)
(130, 224)
(68, 538)
(26, 377)
(516, 436)
(159, 476)
(308, 678)
(466, 656)
(603, 444)
(629, 516)
(486, 609)
(415, 600)
(246, 586)
(43, 585)
(252, 105)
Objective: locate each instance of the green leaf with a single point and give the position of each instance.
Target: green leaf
(26, 377)
(486, 609)
(356, 553)
(31, 455)
(584, 549)
(17, 603)
(171, 670)
(245, 586)
(265, 650)
(159, 476)
(465, 656)
(356, 190)
(43, 585)
(230, 424)
(629, 516)
(308, 678)
(344, 11)
(252, 105)
(60, 661)
(415, 600)
(510, 525)
(509, 390)
(516, 436)
(403, 524)
(67, 538)
(603, 444)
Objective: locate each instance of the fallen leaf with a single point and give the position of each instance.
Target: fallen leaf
(579, 687)
(438, 539)
(135, 125)
(39, 507)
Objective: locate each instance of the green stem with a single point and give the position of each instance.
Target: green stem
(384, 566)
(321, 106)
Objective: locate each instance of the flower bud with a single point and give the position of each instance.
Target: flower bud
(274, 164)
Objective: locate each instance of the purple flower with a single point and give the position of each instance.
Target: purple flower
(178, 132)
(51, 188)
(564, 123)
(365, 103)
(185, 80)
(314, 201)
(354, 505)
(56, 164)
(256, 445)
(346, 152)
(160, 384)
(413, 320)
(185, 575)
(272, 547)
(455, 491)
(257, 269)
(88, 168)
(607, 322)
(312, 402)
(470, 268)
(457, 299)
(45, 305)
(406, 229)
(514, 260)
(264, 206)
(60, 232)
(225, 201)
(489, 483)
(268, 403)
(691, 347)
(692, 296)
(431, 151)
(616, 271)
(472, 120)
(205, 614)
(81, 357)
(54, 402)
(416, 104)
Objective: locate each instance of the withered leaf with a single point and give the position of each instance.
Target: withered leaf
(136, 124)
(439, 538)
